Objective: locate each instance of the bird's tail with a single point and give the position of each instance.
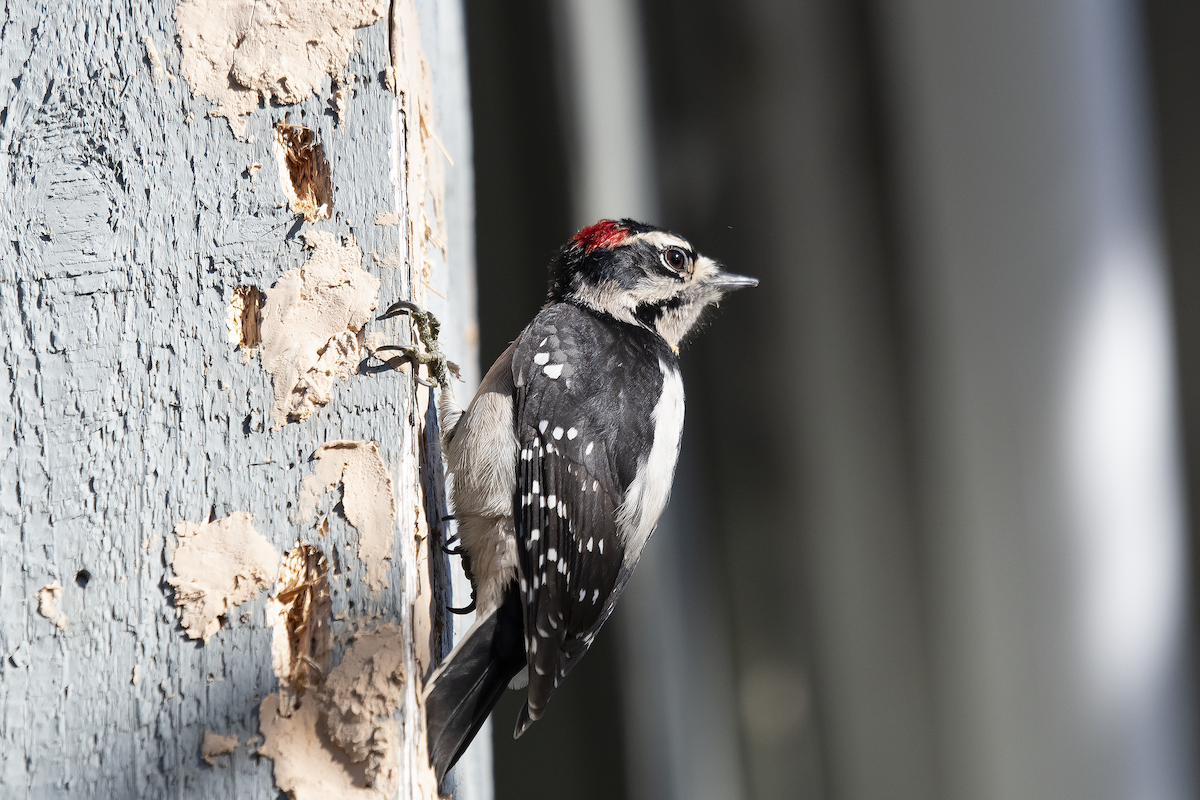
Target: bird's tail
(466, 687)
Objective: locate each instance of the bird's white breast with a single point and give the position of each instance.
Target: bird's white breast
(650, 490)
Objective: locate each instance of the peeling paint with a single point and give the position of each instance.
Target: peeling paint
(311, 324)
(303, 171)
(299, 614)
(140, 415)
(156, 64)
(308, 766)
(238, 53)
(338, 102)
(367, 498)
(361, 695)
(387, 218)
(390, 258)
(342, 742)
(216, 745)
(48, 597)
(410, 78)
(216, 566)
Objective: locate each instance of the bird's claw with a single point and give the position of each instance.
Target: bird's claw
(440, 368)
(402, 307)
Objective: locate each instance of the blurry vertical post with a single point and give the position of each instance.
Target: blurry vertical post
(1045, 389)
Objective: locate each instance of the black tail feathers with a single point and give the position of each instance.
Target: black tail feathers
(466, 687)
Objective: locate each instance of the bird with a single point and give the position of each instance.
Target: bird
(561, 465)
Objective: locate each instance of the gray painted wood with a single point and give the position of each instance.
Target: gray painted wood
(129, 217)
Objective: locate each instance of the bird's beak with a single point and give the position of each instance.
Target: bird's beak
(727, 281)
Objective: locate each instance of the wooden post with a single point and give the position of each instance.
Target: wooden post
(218, 567)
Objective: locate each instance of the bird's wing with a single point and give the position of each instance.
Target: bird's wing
(584, 399)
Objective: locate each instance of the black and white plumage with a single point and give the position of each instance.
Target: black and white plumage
(562, 465)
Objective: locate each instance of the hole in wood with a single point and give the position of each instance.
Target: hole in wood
(82, 577)
(303, 171)
(245, 315)
(302, 610)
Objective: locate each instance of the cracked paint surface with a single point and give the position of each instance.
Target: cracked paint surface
(126, 408)
(341, 742)
(367, 498)
(311, 325)
(216, 745)
(240, 53)
(306, 764)
(219, 565)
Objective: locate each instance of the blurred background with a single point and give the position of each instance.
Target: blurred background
(930, 536)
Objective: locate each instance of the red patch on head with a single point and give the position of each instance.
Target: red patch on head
(604, 234)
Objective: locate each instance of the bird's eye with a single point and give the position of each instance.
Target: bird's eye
(675, 259)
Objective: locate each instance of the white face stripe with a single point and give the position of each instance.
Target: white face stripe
(650, 490)
(660, 239)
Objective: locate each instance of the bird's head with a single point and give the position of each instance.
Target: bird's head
(642, 275)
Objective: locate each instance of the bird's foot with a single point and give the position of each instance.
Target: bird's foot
(466, 565)
(467, 609)
(430, 354)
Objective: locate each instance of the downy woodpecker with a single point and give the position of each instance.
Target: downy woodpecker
(562, 464)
